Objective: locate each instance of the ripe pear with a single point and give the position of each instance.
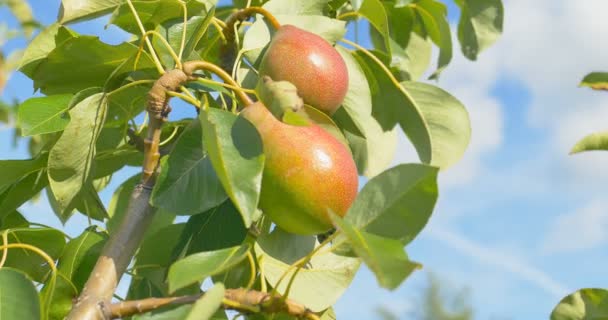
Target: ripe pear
(311, 63)
(307, 173)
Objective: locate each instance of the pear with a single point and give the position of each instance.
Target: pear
(311, 63)
(307, 173)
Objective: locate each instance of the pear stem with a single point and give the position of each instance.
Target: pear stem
(245, 14)
(228, 49)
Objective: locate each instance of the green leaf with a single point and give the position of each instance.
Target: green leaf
(153, 13)
(109, 161)
(596, 81)
(80, 63)
(436, 123)
(152, 262)
(195, 268)
(215, 229)
(397, 203)
(446, 120)
(206, 307)
(70, 159)
(126, 104)
(296, 7)
(77, 10)
(185, 172)
(12, 171)
(180, 312)
(480, 25)
(22, 191)
(373, 147)
(172, 31)
(434, 16)
(80, 255)
(235, 149)
(585, 304)
(44, 114)
(593, 142)
(319, 285)
(18, 296)
(39, 48)
(63, 294)
(385, 257)
(12, 220)
(409, 46)
(375, 13)
(49, 240)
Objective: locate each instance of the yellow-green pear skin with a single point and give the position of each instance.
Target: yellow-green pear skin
(307, 173)
(311, 63)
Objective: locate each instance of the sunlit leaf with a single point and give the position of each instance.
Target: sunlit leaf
(596, 81)
(373, 147)
(593, 142)
(80, 63)
(320, 283)
(434, 16)
(397, 203)
(585, 304)
(480, 25)
(75, 10)
(206, 307)
(374, 12)
(385, 257)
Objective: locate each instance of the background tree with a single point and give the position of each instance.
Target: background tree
(103, 107)
(437, 302)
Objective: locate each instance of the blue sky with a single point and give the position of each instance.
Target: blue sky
(519, 221)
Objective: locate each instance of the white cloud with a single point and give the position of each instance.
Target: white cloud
(505, 261)
(584, 228)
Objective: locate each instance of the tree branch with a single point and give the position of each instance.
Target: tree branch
(119, 250)
(234, 299)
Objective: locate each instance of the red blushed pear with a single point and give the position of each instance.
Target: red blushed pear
(307, 173)
(311, 63)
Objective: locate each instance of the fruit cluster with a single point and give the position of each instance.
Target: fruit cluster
(308, 172)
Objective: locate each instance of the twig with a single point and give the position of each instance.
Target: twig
(242, 300)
